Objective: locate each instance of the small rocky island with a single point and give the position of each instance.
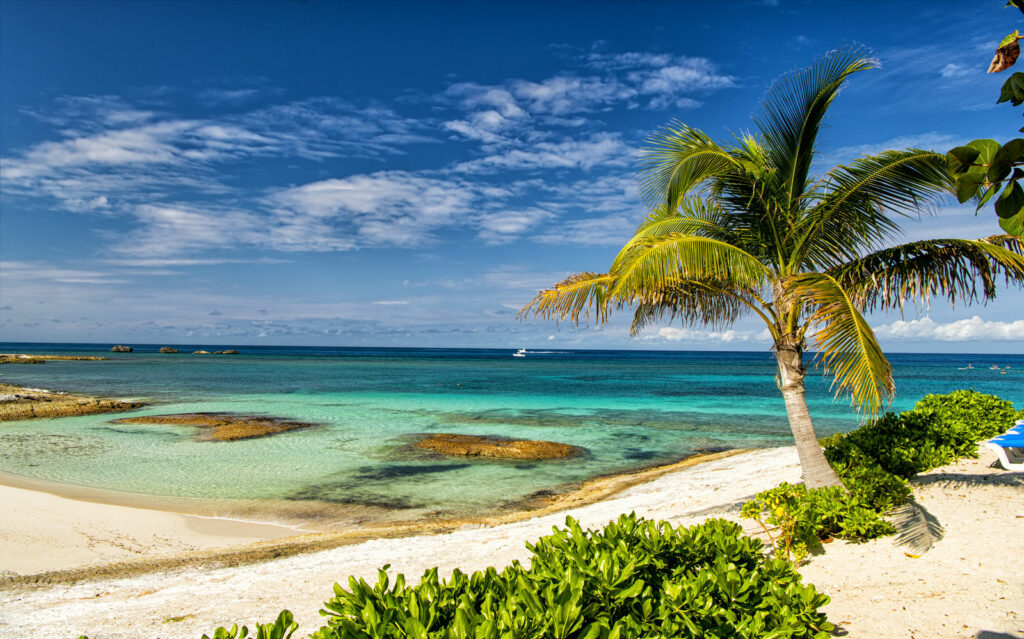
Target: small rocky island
(498, 447)
(19, 358)
(121, 349)
(224, 427)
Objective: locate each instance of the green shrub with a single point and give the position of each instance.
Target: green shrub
(634, 578)
(863, 476)
(967, 417)
(802, 517)
(939, 430)
(875, 461)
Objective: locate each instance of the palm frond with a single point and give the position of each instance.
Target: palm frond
(855, 212)
(656, 263)
(695, 302)
(695, 216)
(577, 295)
(959, 270)
(793, 111)
(844, 341)
(675, 160)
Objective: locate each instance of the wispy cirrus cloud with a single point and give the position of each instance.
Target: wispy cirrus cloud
(600, 149)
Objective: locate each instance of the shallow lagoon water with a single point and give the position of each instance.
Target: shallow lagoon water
(627, 408)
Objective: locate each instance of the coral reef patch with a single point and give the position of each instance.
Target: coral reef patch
(480, 446)
(224, 427)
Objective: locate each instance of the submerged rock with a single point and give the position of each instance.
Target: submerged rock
(168, 349)
(121, 349)
(479, 446)
(223, 427)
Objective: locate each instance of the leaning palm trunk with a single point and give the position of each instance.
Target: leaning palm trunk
(816, 470)
(744, 230)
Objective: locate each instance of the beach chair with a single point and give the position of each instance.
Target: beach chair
(1009, 448)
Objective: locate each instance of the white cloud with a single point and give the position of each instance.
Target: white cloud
(964, 330)
(15, 273)
(601, 149)
(954, 70)
(932, 140)
(387, 208)
(504, 226)
(672, 334)
(611, 230)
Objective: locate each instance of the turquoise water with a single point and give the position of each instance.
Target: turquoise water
(627, 408)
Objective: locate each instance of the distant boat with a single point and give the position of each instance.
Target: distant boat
(966, 368)
(995, 367)
(520, 353)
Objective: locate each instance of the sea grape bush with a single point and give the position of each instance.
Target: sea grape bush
(801, 517)
(634, 578)
(939, 430)
(875, 461)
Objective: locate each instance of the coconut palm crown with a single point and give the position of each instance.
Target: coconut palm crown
(743, 229)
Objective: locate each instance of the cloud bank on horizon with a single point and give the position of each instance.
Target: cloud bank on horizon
(255, 202)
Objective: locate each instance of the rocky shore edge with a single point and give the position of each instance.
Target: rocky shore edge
(21, 358)
(19, 402)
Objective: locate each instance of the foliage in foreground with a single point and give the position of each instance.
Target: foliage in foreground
(875, 462)
(634, 578)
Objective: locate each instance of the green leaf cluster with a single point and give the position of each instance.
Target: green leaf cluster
(634, 578)
(801, 517)
(984, 169)
(282, 628)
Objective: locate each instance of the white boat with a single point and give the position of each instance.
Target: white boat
(520, 353)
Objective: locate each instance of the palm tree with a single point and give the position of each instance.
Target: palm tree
(743, 229)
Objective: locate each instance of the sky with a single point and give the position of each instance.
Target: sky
(412, 173)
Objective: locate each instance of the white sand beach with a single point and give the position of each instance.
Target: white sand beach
(968, 586)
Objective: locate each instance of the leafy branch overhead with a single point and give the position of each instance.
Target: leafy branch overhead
(983, 168)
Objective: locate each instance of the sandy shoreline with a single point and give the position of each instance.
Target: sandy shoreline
(967, 586)
(102, 532)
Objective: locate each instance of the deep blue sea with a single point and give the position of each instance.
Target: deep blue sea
(627, 408)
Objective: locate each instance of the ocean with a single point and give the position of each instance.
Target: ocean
(628, 409)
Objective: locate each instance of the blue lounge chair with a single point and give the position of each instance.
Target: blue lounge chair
(1009, 448)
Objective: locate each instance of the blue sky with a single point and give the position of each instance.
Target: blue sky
(411, 173)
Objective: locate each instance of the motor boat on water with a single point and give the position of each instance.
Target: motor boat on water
(520, 353)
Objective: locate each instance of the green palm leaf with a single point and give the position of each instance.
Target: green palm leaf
(655, 263)
(793, 111)
(952, 268)
(855, 211)
(677, 159)
(844, 341)
(572, 297)
(700, 303)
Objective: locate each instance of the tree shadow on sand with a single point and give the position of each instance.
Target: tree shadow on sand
(964, 480)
